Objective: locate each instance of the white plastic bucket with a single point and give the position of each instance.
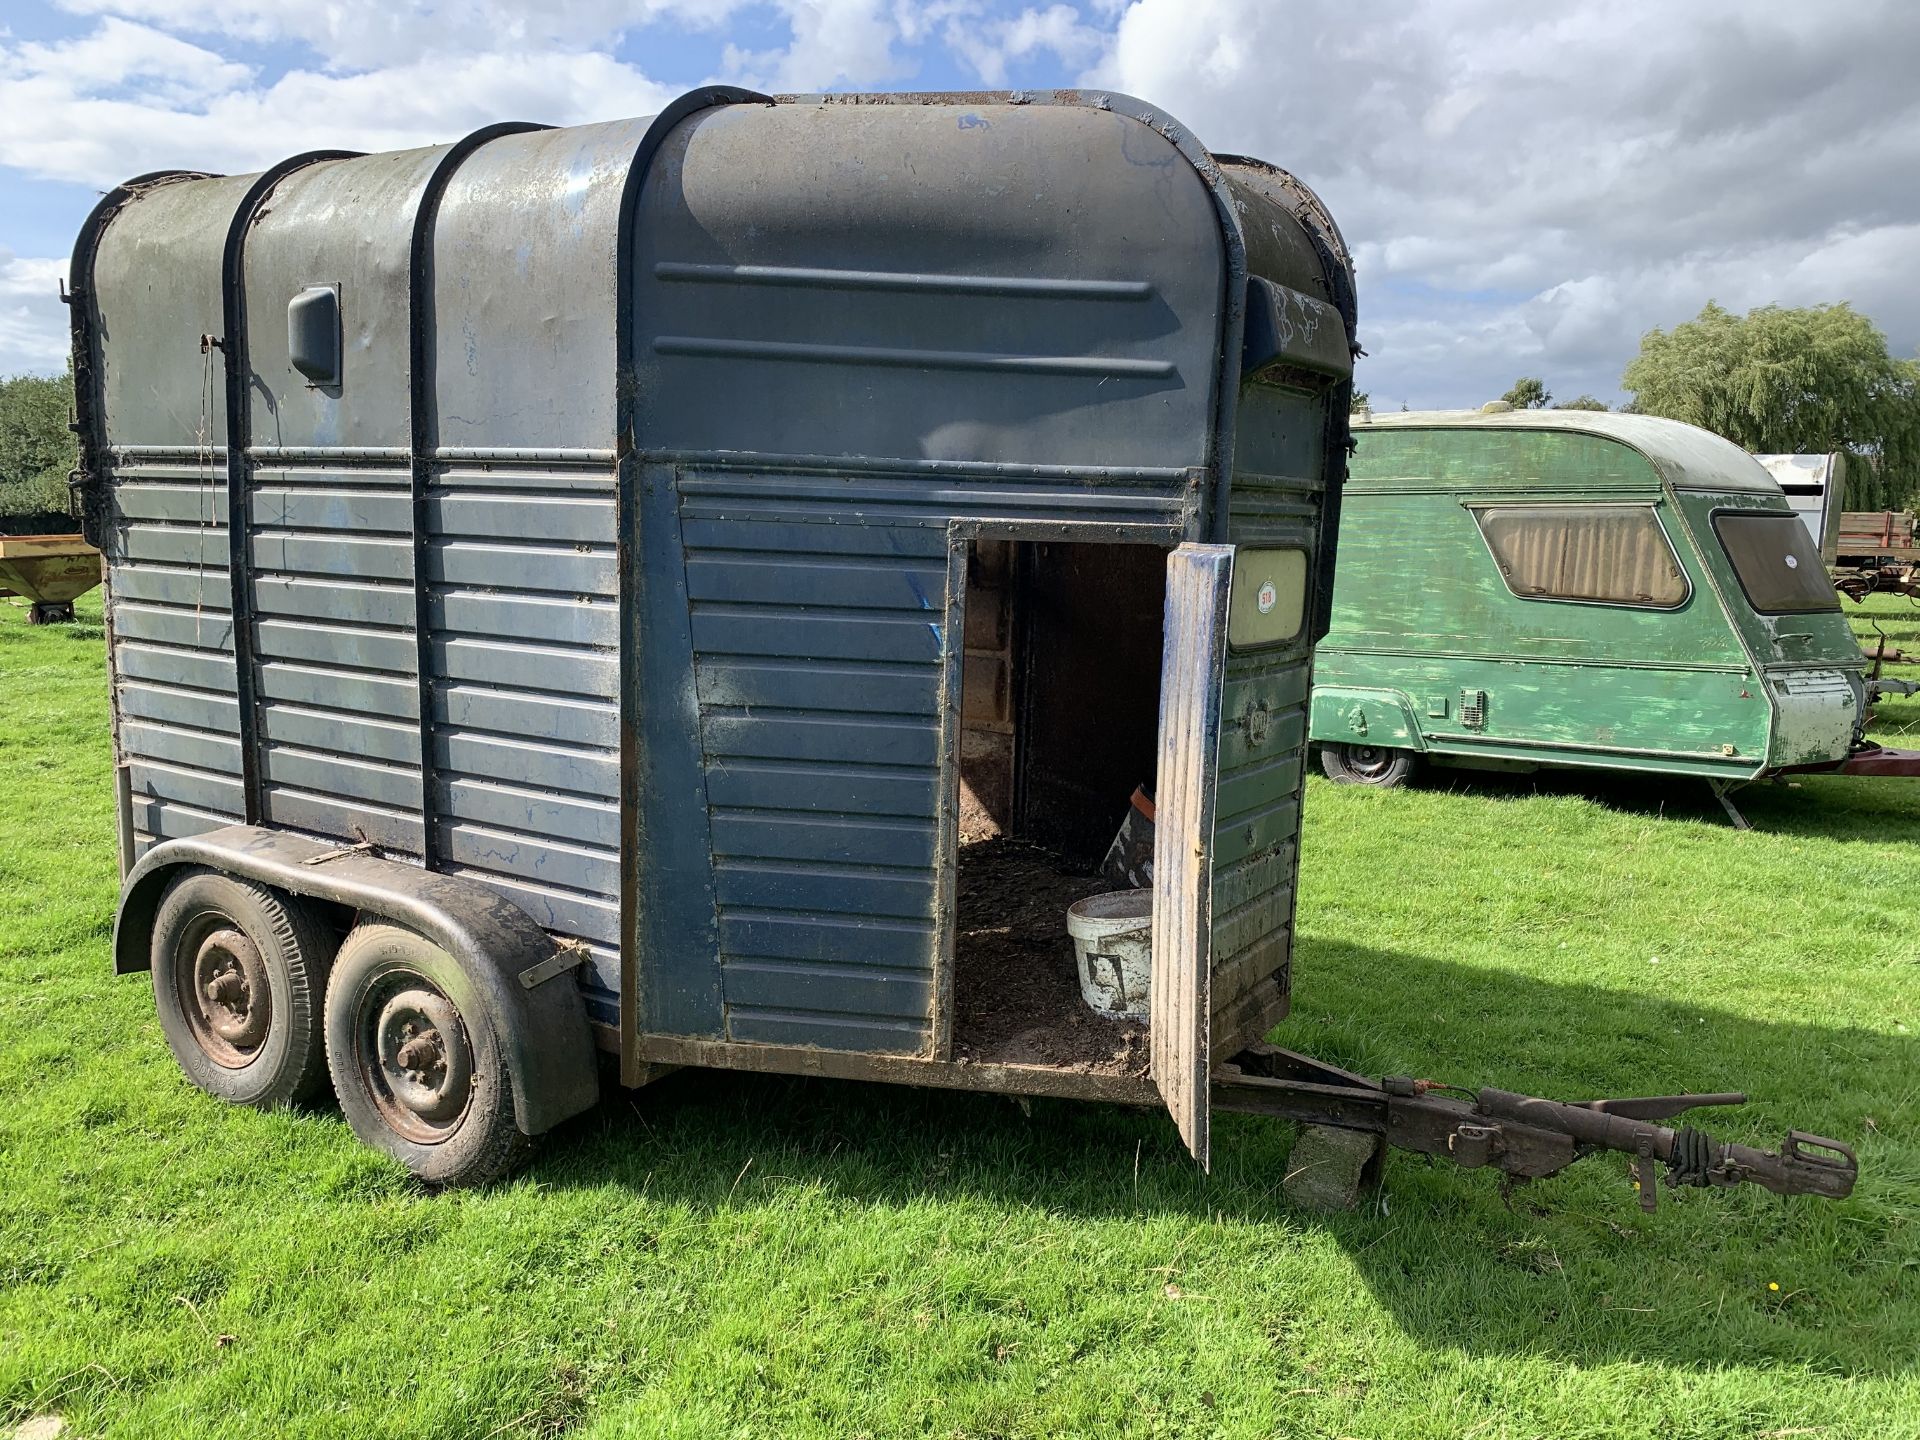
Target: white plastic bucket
(1113, 947)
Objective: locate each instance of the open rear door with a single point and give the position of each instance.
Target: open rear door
(1199, 580)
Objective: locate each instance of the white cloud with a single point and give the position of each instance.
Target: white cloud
(366, 34)
(118, 55)
(60, 130)
(33, 334)
(1530, 190)
(128, 97)
(990, 45)
(835, 43)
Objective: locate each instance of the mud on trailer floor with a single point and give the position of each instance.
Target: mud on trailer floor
(1016, 991)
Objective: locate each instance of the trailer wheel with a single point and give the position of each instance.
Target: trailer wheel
(417, 1059)
(1380, 765)
(238, 971)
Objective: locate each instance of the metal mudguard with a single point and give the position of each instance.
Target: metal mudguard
(1356, 715)
(508, 958)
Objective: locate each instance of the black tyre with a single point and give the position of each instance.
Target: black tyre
(1380, 765)
(417, 1059)
(238, 974)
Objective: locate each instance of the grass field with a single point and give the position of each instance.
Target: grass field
(739, 1256)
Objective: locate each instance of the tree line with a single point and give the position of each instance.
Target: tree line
(37, 450)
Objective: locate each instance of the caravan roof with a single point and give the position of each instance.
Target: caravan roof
(1686, 456)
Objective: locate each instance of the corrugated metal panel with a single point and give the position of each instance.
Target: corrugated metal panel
(172, 658)
(933, 327)
(817, 658)
(1256, 831)
(477, 599)
(349, 224)
(335, 651)
(524, 249)
(817, 612)
(524, 683)
(1274, 502)
(156, 283)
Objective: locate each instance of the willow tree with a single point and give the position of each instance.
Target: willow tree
(1787, 381)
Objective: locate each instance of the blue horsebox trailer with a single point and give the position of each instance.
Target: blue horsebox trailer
(566, 587)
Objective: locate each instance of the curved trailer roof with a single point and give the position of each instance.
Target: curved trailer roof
(632, 283)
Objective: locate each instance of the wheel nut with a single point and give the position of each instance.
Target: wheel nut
(419, 1052)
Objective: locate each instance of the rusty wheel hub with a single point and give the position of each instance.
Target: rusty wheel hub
(228, 999)
(420, 1061)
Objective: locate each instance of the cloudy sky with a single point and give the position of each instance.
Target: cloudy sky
(1527, 187)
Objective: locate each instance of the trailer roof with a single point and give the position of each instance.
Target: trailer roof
(1686, 456)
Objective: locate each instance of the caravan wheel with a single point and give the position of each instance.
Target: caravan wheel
(1379, 765)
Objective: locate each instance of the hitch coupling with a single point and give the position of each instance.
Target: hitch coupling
(1525, 1137)
(1528, 1137)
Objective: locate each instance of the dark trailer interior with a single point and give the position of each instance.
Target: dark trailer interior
(1060, 711)
(603, 571)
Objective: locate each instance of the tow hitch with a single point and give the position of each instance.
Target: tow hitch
(1523, 1136)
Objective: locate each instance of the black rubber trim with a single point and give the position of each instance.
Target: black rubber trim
(233, 347)
(423, 430)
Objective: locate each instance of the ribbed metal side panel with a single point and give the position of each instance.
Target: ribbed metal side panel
(334, 650)
(1274, 503)
(172, 657)
(1256, 844)
(818, 608)
(524, 679)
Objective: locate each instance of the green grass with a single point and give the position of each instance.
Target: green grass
(729, 1255)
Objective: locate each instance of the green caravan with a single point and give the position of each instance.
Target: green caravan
(1527, 588)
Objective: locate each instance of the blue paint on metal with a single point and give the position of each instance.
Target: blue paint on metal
(671, 863)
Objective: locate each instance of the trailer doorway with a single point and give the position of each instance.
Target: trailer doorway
(1058, 724)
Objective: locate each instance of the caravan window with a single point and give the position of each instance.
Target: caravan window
(1778, 566)
(1600, 554)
